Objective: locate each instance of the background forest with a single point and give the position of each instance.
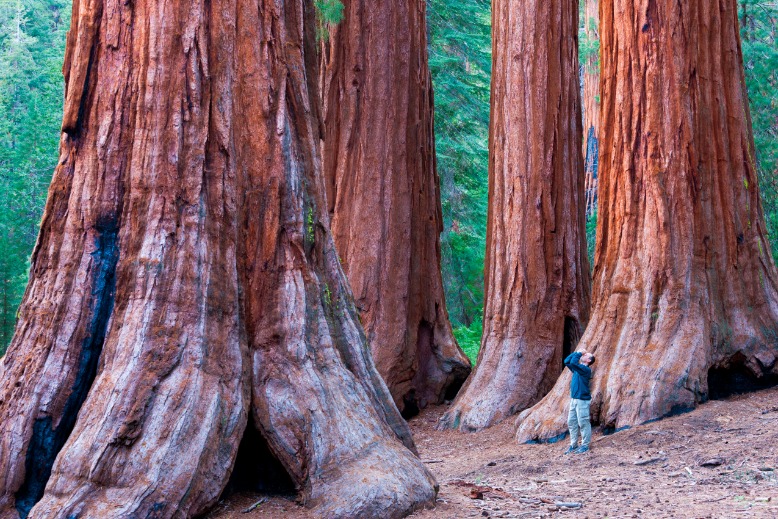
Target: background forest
(32, 39)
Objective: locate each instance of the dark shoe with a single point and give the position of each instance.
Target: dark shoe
(582, 449)
(570, 449)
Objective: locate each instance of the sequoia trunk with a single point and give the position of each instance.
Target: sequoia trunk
(384, 195)
(184, 280)
(591, 103)
(684, 285)
(537, 272)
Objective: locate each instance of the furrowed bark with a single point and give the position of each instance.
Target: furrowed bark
(52, 360)
(537, 272)
(384, 196)
(175, 284)
(317, 396)
(684, 281)
(158, 433)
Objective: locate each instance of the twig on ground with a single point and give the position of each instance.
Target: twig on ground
(570, 504)
(649, 460)
(255, 505)
(714, 500)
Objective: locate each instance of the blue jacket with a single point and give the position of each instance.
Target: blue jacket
(579, 387)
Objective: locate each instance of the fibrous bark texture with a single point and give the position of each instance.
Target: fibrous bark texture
(591, 104)
(684, 282)
(384, 196)
(537, 272)
(185, 281)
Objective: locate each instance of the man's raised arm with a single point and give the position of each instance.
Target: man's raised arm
(574, 364)
(573, 358)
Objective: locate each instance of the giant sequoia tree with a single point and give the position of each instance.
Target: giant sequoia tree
(384, 195)
(685, 289)
(537, 272)
(185, 282)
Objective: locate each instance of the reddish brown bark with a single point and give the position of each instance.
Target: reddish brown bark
(537, 273)
(591, 104)
(384, 195)
(684, 281)
(185, 279)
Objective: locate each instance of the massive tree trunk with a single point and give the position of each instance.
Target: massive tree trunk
(591, 103)
(685, 286)
(384, 196)
(185, 280)
(537, 272)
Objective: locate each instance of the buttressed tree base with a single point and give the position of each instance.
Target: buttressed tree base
(185, 282)
(685, 289)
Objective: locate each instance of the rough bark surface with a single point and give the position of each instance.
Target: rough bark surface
(591, 105)
(185, 280)
(384, 195)
(684, 282)
(537, 272)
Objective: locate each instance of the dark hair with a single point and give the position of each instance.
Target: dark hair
(592, 362)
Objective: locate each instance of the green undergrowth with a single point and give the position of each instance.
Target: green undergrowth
(469, 339)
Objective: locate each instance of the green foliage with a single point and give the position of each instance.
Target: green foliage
(469, 338)
(591, 235)
(309, 226)
(588, 47)
(759, 33)
(327, 295)
(32, 38)
(460, 63)
(328, 12)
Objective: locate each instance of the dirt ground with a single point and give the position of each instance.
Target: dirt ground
(653, 471)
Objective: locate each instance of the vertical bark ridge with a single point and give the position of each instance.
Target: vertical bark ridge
(47, 440)
(537, 273)
(384, 196)
(684, 281)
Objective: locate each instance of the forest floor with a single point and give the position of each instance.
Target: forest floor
(719, 461)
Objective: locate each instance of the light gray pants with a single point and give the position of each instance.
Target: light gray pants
(578, 420)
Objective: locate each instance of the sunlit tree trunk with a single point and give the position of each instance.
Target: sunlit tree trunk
(185, 281)
(684, 286)
(537, 272)
(384, 195)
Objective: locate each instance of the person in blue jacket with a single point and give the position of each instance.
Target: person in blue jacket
(580, 397)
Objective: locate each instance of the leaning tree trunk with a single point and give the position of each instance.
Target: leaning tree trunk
(537, 272)
(384, 195)
(684, 280)
(591, 104)
(184, 280)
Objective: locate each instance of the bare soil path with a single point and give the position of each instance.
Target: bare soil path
(719, 461)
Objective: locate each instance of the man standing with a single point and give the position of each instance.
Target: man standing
(580, 398)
